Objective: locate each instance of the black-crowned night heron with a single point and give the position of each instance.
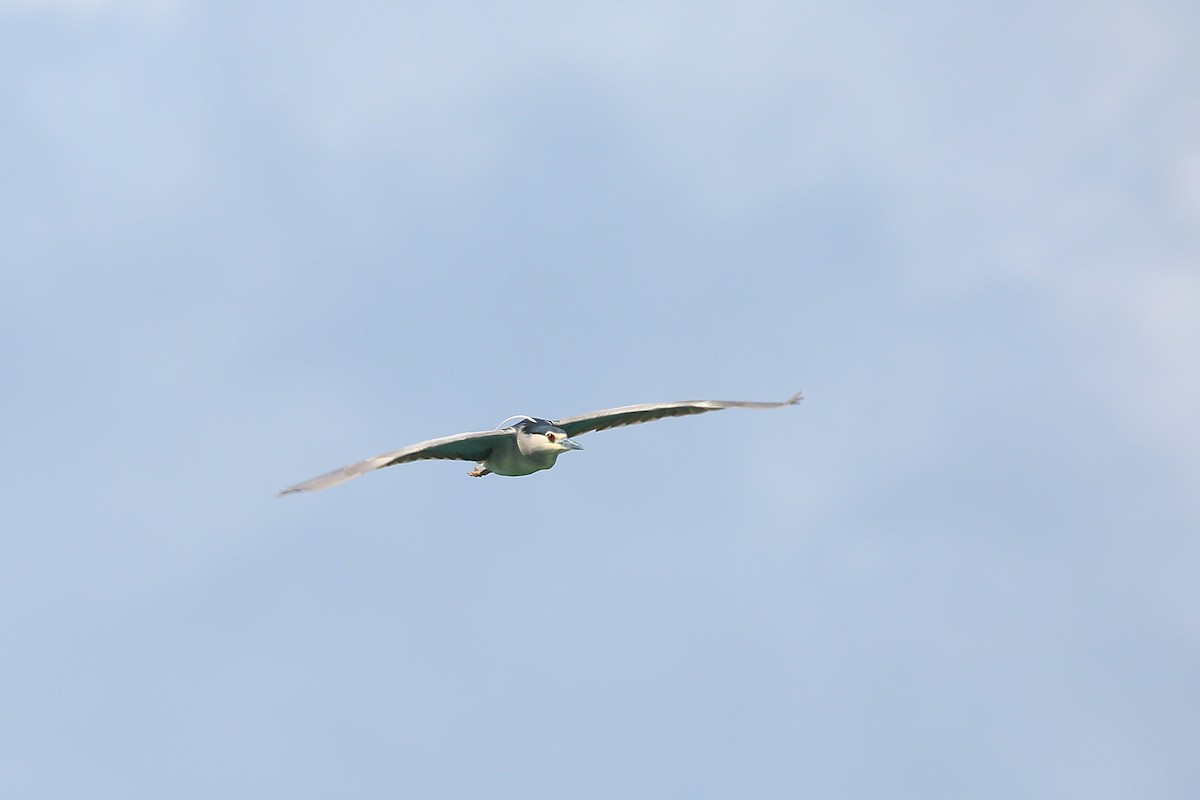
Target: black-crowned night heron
(527, 446)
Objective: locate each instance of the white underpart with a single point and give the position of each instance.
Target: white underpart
(524, 454)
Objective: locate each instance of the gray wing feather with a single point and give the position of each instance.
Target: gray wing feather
(460, 447)
(647, 412)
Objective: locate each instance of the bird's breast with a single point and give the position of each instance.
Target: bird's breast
(507, 459)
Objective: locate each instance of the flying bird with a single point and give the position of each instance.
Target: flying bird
(529, 445)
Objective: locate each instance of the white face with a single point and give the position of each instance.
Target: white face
(554, 440)
(558, 438)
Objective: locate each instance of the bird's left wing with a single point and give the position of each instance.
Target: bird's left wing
(646, 412)
(460, 447)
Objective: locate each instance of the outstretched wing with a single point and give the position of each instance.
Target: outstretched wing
(460, 447)
(646, 412)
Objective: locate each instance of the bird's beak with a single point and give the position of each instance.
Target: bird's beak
(570, 444)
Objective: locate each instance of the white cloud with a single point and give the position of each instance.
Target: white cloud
(1147, 320)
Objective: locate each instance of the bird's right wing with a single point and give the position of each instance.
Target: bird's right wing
(646, 412)
(460, 447)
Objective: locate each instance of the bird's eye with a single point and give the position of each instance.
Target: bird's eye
(550, 437)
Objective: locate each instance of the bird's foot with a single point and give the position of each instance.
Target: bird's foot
(479, 472)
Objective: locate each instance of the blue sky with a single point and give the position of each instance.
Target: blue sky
(245, 244)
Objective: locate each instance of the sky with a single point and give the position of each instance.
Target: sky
(244, 244)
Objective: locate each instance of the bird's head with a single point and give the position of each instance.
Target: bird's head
(543, 436)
